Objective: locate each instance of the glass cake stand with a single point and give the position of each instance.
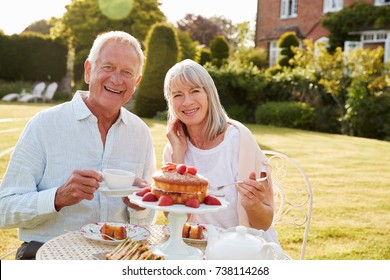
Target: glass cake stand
(175, 248)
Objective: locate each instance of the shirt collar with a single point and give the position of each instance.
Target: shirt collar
(82, 111)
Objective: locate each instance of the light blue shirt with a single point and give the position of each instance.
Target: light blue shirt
(54, 143)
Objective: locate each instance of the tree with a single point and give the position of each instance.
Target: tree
(244, 35)
(40, 26)
(237, 35)
(83, 21)
(162, 52)
(247, 55)
(201, 29)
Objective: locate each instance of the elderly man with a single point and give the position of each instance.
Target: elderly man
(53, 176)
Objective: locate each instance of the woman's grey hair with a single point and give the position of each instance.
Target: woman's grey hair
(188, 73)
(120, 37)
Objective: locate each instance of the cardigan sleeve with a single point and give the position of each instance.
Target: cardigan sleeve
(251, 158)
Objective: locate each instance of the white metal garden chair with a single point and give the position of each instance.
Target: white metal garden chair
(293, 196)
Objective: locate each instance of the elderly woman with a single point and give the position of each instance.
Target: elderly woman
(201, 134)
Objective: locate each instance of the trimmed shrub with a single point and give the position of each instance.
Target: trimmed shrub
(371, 117)
(204, 56)
(188, 47)
(285, 114)
(162, 51)
(14, 87)
(32, 58)
(286, 41)
(326, 119)
(219, 49)
(240, 88)
(237, 112)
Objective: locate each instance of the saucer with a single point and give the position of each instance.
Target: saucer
(118, 192)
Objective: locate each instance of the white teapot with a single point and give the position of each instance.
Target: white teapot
(240, 243)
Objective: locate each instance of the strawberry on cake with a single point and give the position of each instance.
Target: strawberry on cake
(178, 184)
(181, 183)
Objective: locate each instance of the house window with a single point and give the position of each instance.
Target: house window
(377, 37)
(368, 37)
(321, 43)
(273, 53)
(288, 8)
(374, 36)
(351, 45)
(333, 5)
(381, 36)
(382, 2)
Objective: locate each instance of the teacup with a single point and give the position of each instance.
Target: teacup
(118, 178)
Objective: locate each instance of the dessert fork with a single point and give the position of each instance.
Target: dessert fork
(92, 233)
(237, 182)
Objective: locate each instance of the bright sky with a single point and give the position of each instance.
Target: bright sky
(16, 15)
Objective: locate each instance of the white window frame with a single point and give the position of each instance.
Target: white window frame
(378, 36)
(382, 2)
(374, 36)
(273, 53)
(333, 5)
(321, 43)
(351, 45)
(288, 8)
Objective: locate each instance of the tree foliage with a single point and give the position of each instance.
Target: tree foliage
(83, 21)
(204, 30)
(347, 78)
(188, 46)
(358, 16)
(201, 29)
(162, 52)
(41, 26)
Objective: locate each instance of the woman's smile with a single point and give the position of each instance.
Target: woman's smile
(191, 112)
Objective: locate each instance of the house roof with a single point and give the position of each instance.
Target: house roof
(279, 31)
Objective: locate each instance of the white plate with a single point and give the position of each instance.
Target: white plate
(179, 208)
(118, 193)
(100, 256)
(191, 240)
(92, 231)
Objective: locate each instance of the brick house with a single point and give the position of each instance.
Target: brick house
(275, 17)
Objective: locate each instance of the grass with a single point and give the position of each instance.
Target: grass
(350, 178)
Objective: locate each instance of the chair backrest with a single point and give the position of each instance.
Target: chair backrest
(38, 89)
(293, 199)
(50, 91)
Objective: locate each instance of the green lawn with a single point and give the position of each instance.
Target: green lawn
(350, 178)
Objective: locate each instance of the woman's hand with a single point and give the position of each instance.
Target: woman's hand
(178, 140)
(252, 192)
(255, 198)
